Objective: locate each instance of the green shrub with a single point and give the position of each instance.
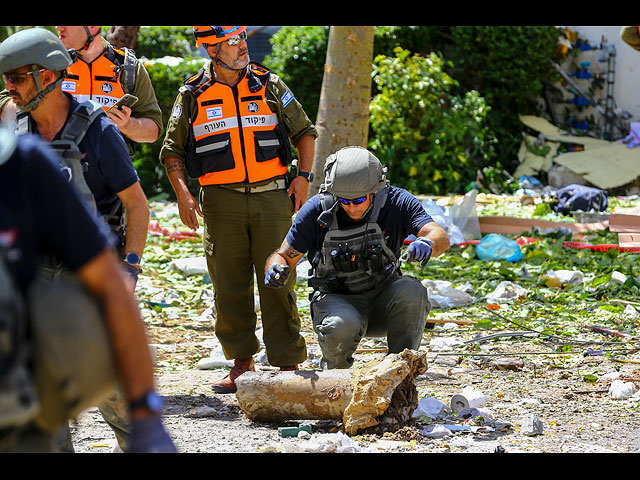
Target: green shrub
(158, 42)
(298, 56)
(507, 65)
(431, 140)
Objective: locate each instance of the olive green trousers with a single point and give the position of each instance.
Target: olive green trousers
(241, 231)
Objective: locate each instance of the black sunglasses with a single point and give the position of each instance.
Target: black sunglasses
(17, 78)
(355, 201)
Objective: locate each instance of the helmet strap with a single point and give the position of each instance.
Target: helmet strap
(90, 38)
(29, 107)
(220, 63)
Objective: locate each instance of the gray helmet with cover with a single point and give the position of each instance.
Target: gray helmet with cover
(37, 48)
(354, 172)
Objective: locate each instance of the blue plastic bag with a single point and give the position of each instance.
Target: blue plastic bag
(495, 247)
(633, 139)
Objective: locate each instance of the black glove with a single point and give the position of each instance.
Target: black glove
(277, 276)
(149, 436)
(419, 250)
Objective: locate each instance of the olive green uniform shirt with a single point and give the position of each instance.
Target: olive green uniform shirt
(185, 107)
(147, 105)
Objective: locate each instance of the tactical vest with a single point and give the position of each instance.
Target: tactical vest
(353, 260)
(235, 136)
(68, 149)
(105, 80)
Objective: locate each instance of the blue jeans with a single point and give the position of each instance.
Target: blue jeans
(397, 310)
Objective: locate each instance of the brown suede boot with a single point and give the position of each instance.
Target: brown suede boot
(227, 384)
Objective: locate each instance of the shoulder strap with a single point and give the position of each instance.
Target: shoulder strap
(198, 83)
(126, 62)
(68, 147)
(80, 121)
(130, 67)
(379, 201)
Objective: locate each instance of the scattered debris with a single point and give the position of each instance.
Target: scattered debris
(602, 163)
(563, 278)
(531, 425)
(621, 390)
(442, 294)
(506, 291)
(469, 398)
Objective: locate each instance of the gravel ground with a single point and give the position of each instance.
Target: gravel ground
(576, 416)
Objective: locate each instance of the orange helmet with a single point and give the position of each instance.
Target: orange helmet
(213, 35)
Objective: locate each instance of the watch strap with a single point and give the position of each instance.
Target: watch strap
(307, 175)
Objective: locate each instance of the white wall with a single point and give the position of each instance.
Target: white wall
(627, 73)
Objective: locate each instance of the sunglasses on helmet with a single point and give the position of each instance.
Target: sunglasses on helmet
(355, 201)
(237, 39)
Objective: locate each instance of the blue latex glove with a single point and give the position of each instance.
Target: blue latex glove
(633, 139)
(149, 436)
(132, 271)
(277, 276)
(420, 251)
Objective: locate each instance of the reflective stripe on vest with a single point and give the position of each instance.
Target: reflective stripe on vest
(235, 132)
(99, 81)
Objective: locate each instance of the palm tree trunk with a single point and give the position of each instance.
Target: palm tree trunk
(343, 113)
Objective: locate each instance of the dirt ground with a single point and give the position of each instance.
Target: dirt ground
(576, 416)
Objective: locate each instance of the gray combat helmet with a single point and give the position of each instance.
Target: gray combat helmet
(354, 172)
(37, 48)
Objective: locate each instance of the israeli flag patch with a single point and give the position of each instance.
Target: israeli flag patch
(69, 87)
(286, 98)
(214, 113)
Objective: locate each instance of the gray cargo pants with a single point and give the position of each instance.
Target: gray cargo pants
(397, 310)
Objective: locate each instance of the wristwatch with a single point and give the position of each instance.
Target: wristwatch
(307, 175)
(132, 259)
(150, 400)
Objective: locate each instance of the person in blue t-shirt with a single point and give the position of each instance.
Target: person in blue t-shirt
(353, 232)
(40, 215)
(34, 64)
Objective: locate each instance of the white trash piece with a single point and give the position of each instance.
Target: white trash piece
(430, 407)
(436, 431)
(190, 266)
(631, 312)
(618, 278)
(506, 291)
(443, 344)
(558, 278)
(530, 425)
(443, 294)
(621, 390)
(469, 398)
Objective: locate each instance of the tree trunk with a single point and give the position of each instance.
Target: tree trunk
(343, 113)
(123, 37)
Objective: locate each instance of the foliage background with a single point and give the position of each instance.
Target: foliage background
(478, 79)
